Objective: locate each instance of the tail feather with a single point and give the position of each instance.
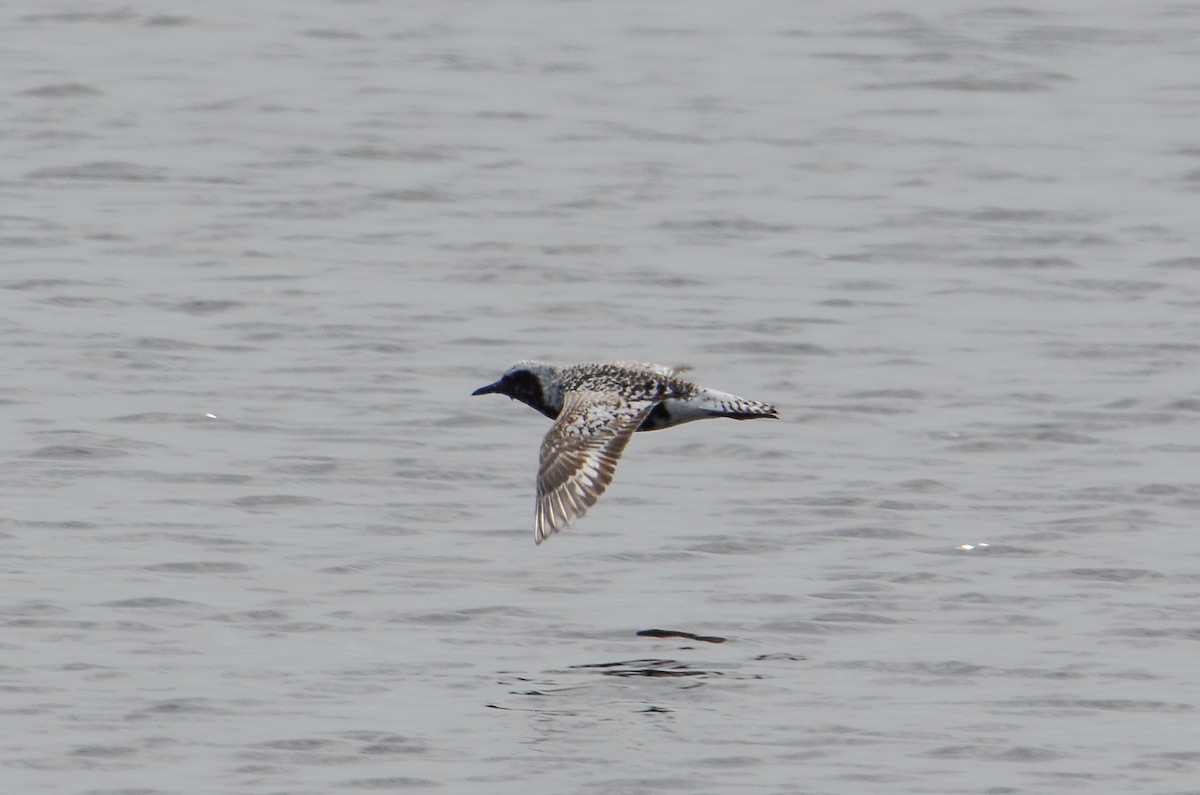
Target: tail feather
(756, 413)
(705, 405)
(723, 404)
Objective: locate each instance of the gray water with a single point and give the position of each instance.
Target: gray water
(257, 537)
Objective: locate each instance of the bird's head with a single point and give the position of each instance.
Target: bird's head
(533, 383)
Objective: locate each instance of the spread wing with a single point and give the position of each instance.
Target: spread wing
(579, 456)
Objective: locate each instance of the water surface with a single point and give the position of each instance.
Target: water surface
(259, 538)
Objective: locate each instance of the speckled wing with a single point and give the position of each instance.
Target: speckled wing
(580, 454)
(658, 369)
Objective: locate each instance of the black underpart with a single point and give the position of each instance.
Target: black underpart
(658, 418)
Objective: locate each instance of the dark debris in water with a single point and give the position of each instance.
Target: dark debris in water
(650, 668)
(677, 633)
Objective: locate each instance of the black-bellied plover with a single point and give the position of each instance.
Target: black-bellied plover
(596, 409)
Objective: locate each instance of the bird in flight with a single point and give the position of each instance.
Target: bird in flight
(596, 408)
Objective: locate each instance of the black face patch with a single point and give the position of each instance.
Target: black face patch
(525, 387)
